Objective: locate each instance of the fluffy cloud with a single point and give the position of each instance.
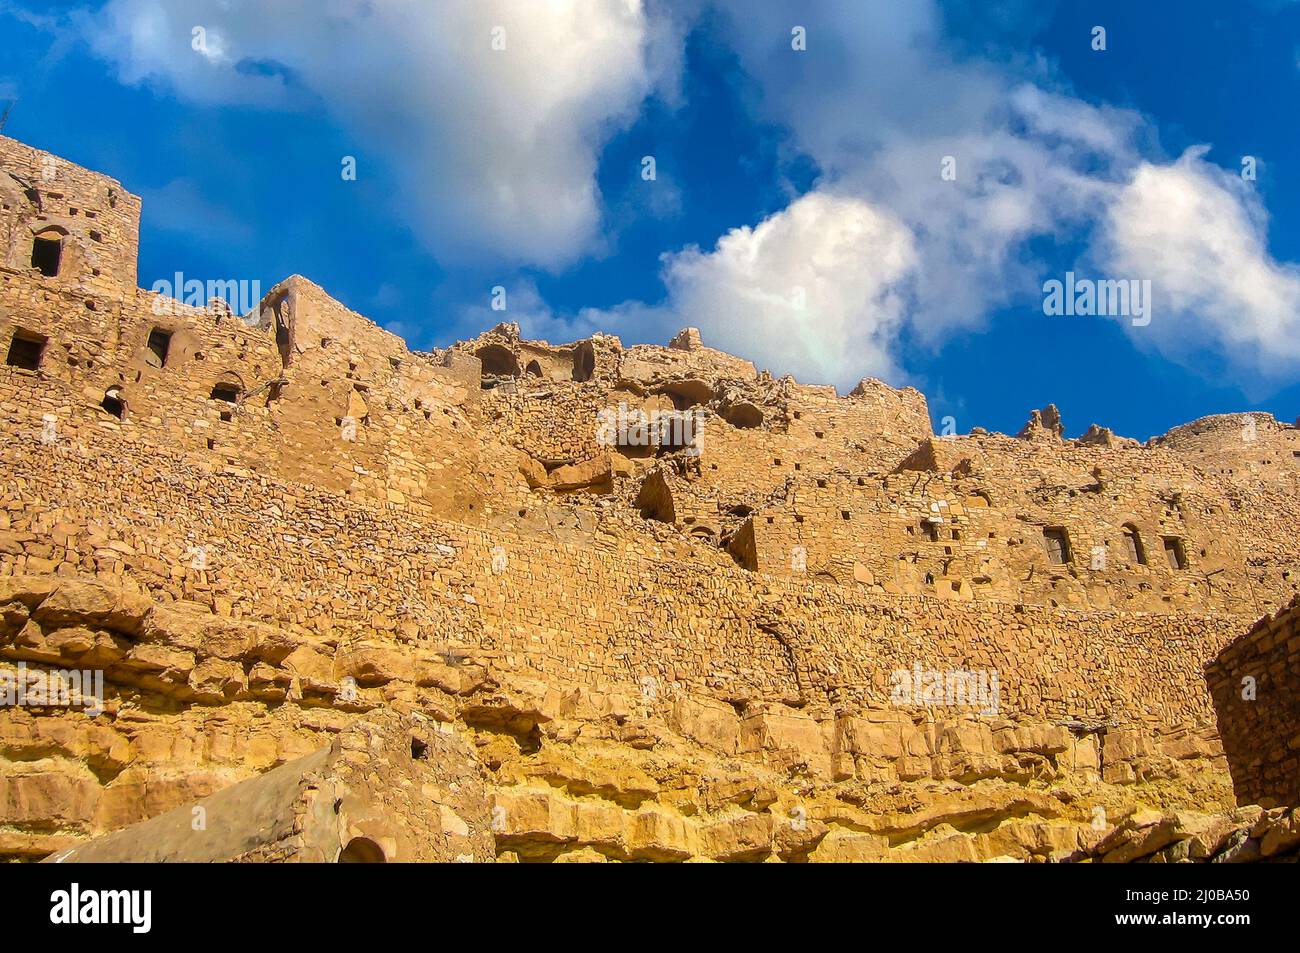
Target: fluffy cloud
(816, 288)
(495, 150)
(885, 110)
(879, 102)
(1198, 234)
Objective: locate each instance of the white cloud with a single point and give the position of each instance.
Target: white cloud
(1200, 235)
(495, 150)
(878, 102)
(813, 290)
(817, 290)
(880, 105)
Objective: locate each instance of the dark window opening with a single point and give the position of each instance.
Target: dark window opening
(743, 416)
(113, 403)
(362, 850)
(418, 748)
(1058, 546)
(498, 361)
(160, 343)
(584, 363)
(1133, 545)
(26, 350)
(1175, 553)
(227, 392)
(534, 369)
(47, 253)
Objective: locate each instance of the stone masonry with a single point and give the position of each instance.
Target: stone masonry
(1253, 683)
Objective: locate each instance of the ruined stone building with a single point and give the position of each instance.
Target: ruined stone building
(651, 602)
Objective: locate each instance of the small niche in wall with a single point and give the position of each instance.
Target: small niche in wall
(114, 403)
(1057, 541)
(26, 349)
(1175, 552)
(159, 344)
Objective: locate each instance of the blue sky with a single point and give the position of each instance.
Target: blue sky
(798, 214)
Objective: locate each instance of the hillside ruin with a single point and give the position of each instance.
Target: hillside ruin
(670, 606)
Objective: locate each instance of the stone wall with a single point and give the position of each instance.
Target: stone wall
(193, 702)
(256, 548)
(93, 221)
(1254, 685)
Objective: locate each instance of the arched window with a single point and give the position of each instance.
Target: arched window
(534, 369)
(743, 416)
(498, 361)
(1175, 553)
(1133, 545)
(160, 342)
(362, 850)
(584, 362)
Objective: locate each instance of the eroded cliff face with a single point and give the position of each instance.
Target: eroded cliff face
(678, 607)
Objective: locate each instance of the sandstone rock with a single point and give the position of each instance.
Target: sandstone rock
(78, 601)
